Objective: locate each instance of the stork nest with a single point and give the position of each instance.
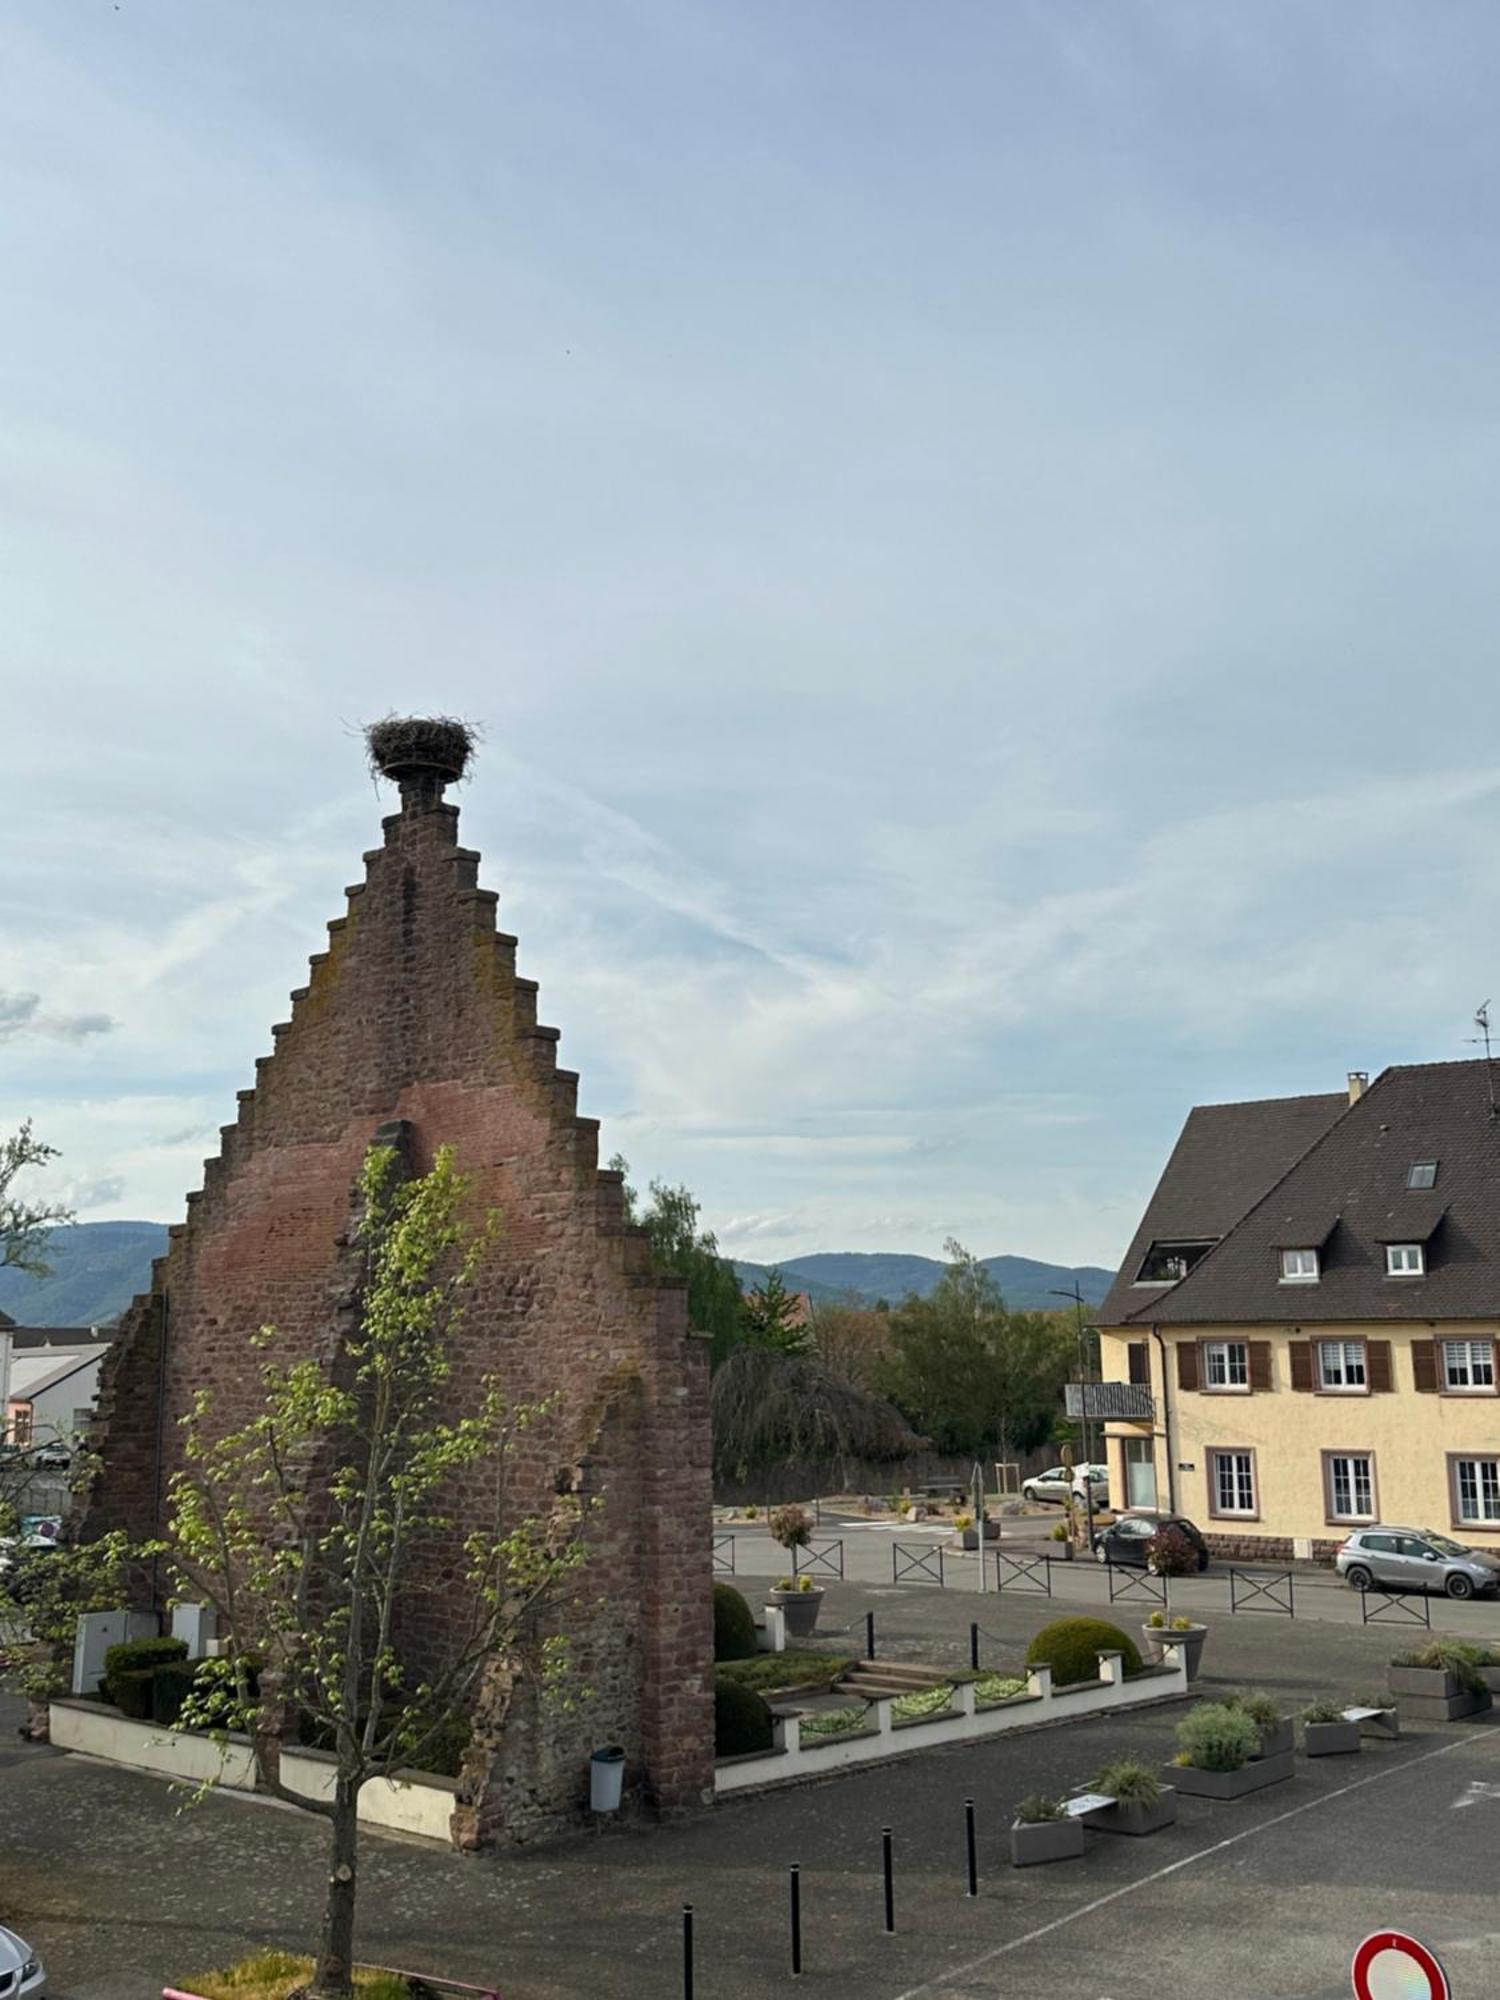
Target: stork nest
(402, 745)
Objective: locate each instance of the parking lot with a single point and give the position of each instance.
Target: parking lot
(124, 1890)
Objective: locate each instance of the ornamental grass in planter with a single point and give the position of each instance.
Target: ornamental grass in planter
(1440, 1681)
(1043, 1831)
(1220, 1754)
(1275, 1729)
(1159, 1628)
(1327, 1731)
(1139, 1802)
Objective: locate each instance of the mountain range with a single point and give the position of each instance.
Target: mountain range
(863, 1276)
(98, 1267)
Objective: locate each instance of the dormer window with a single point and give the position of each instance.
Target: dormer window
(1299, 1267)
(1405, 1260)
(1422, 1174)
(1165, 1263)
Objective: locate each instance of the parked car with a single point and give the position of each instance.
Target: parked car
(52, 1457)
(22, 1973)
(1056, 1483)
(1127, 1539)
(1415, 1559)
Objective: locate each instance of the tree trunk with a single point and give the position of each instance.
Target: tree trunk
(333, 1975)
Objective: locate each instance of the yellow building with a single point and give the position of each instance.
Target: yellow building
(1302, 1339)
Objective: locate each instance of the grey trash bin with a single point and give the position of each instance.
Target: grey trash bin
(606, 1778)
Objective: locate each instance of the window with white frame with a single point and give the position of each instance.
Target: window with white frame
(1469, 1365)
(1351, 1485)
(1404, 1260)
(1226, 1364)
(1341, 1365)
(1299, 1267)
(1476, 1489)
(1232, 1481)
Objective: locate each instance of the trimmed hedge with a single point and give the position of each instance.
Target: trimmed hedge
(137, 1655)
(1071, 1648)
(131, 1692)
(734, 1627)
(171, 1684)
(742, 1721)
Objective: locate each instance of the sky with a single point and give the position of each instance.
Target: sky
(969, 532)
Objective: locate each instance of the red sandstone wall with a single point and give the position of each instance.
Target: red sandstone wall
(415, 1012)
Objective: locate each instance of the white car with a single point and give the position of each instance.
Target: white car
(1056, 1483)
(22, 1974)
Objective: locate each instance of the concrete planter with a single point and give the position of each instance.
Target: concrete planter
(1432, 1694)
(1034, 1841)
(1191, 1642)
(1330, 1739)
(1124, 1816)
(1253, 1776)
(1490, 1673)
(800, 1609)
(991, 1534)
(1279, 1740)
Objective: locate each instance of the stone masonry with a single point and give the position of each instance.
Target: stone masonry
(416, 1020)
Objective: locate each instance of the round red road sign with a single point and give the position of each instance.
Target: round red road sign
(1389, 1965)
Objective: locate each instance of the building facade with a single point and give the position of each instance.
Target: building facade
(416, 1027)
(1303, 1336)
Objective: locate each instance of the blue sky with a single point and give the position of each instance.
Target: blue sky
(969, 531)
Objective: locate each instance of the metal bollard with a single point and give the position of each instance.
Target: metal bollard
(796, 1887)
(888, 1857)
(972, 1847)
(974, 1647)
(869, 1635)
(687, 1951)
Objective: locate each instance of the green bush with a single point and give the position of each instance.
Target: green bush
(171, 1684)
(1215, 1737)
(130, 1692)
(1327, 1708)
(742, 1721)
(768, 1671)
(1037, 1809)
(1071, 1648)
(734, 1628)
(139, 1656)
(1263, 1709)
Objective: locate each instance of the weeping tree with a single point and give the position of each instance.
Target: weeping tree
(770, 1406)
(327, 1522)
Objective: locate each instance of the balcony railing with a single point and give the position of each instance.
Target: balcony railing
(1112, 1402)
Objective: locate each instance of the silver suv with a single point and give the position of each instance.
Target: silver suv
(1415, 1559)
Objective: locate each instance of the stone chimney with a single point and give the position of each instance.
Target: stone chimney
(1359, 1083)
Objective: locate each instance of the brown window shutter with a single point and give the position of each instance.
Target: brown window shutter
(1140, 1363)
(1424, 1363)
(1378, 1366)
(1187, 1364)
(1302, 1364)
(1260, 1364)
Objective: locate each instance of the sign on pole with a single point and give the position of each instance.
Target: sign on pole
(1389, 1965)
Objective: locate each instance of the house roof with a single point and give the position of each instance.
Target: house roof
(34, 1369)
(1356, 1170)
(1224, 1161)
(58, 1336)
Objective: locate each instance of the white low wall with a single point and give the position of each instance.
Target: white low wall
(97, 1731)
(791, 1758)
(419, 1802)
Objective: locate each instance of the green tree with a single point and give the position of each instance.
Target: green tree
(681, 1250)
(968, 1372)
(311, 1529)
(26, 1225)
(773, 1317)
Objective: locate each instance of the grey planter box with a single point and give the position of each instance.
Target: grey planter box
(1251, 1777)
(1432, 1694)
(1192, 1641)
(1280, 1740)
(800, 1609)
(1045, 1840)
(1126, 1817)
(1330, 1739)
(1491, 1676)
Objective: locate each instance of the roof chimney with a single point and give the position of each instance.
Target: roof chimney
(1359, 1083)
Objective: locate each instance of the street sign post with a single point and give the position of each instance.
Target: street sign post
(1389, 1965)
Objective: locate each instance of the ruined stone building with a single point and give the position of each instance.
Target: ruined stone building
(415, 1019)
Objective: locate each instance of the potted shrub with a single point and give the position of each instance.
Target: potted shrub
(1139, 1802)
(1219, 1756)
(1327, 1731)
(963, 1527)
(1043, 1831)
(1275, 1728)
(799, 1600)
(1060, 1535)
(1442, 1680)
(1160, 1627)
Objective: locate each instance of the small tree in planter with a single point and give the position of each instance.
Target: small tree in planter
(797, 1597)
(1219, 1758)
(1327, 1731)
(1043, 1831)
(1140, 1802)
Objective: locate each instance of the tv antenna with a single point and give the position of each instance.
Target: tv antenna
(1482, 1023)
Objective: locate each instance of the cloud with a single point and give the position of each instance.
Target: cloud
(84, 1195)
(20, 1014)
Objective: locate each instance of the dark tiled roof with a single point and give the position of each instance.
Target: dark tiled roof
(58, 1336)
(1226, 1158)
(1357, 1171)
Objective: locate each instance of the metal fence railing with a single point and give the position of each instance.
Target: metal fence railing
(1262, 1590)
(825, 1559)
(724, 1555)
(1139, 1585)
(1383, 1607)
(1030, 1574)
(913, 1560)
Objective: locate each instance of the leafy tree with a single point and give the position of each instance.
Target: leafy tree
(852, 1341)
(680, 1249)
(311, 1528)
(24, 1225)
(968, 1372)
(772, 1317)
